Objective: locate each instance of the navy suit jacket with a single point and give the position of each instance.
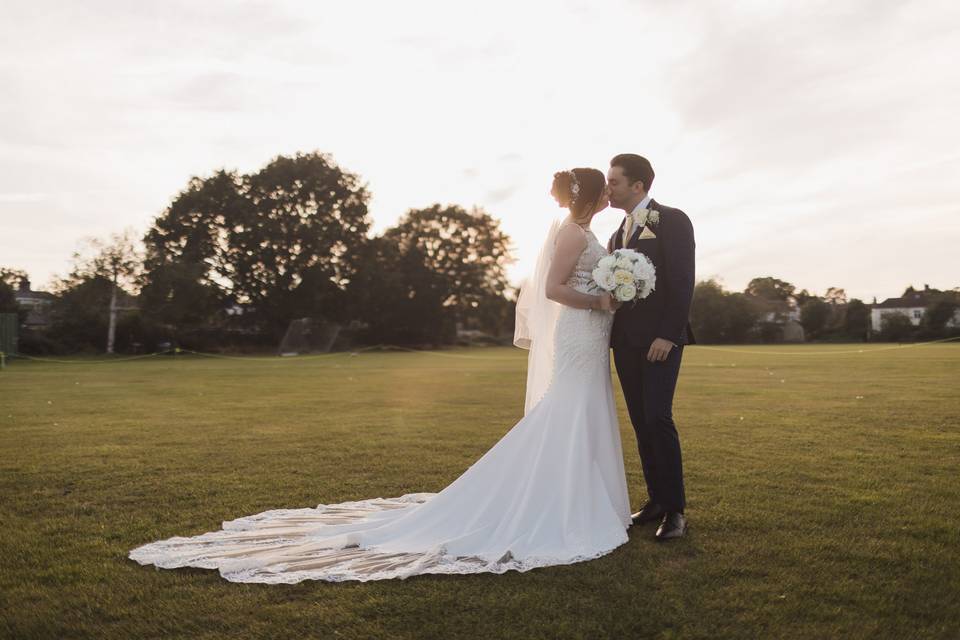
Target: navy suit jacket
(665, 313)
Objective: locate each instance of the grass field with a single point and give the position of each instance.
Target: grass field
(823, 487)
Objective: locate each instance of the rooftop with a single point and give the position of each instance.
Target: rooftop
(24, 293)
(911, 298)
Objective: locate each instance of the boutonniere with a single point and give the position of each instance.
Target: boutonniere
(645, 217)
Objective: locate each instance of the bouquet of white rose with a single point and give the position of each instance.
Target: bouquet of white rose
(626, 274)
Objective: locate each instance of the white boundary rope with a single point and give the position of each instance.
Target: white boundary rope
(100, 361)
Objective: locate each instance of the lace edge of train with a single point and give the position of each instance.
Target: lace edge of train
(429, 563)
(444, 566)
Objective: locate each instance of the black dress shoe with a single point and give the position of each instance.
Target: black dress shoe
(674, 525)
(649, 513)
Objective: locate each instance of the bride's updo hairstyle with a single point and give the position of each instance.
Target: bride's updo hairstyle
(579, 190)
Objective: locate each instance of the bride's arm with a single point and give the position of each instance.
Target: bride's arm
(570, 244)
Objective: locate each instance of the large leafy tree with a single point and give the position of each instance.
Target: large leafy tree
(896, 327)
(283, 242)
(80, 317)
(10, 280)
(814, 315)
(12, 277)
(835, 296)
(718, 316)
(769, 288)
(467, 253)
(8, 298)
(89, 297)
(186, 277)
(305, 221)
(856, 320)
(938, 313)
(402, 297)
(80, 314)
(117, 258)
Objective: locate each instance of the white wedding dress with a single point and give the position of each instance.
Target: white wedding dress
(552, 491)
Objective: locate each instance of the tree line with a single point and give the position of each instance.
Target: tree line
(236, 257)
(767, 308)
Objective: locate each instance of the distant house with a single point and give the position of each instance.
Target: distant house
(36, 303)
(912, 304)
(784, 315)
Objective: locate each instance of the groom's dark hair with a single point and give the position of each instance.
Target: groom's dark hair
(634, 168)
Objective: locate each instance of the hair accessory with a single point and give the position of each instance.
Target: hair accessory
(574, 187)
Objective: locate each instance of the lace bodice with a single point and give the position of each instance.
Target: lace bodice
(586, 263)
(582, 339)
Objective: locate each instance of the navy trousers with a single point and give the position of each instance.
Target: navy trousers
(648, 388)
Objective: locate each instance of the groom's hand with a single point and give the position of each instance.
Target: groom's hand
(659, 350)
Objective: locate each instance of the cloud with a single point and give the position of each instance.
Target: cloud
(496, 196)
(216, 91)
(788, 89)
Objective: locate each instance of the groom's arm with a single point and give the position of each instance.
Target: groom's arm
(677, 275)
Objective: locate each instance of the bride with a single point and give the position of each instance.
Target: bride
(551, 491)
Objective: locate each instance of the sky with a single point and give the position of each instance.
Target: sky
(816, 142)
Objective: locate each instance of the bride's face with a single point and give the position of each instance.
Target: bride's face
(604, 201)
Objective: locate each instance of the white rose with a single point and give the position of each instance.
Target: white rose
(654, 217)
(626, 292)
(623, 262)
(607, 262)
(600, 276)
(606, 281)
(650, 285)
(622, 276)
(642, 269)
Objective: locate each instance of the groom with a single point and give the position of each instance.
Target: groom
(648, 336)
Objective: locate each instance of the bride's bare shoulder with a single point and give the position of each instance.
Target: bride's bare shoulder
(569, 246)
(571, 239)
(571, 231)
